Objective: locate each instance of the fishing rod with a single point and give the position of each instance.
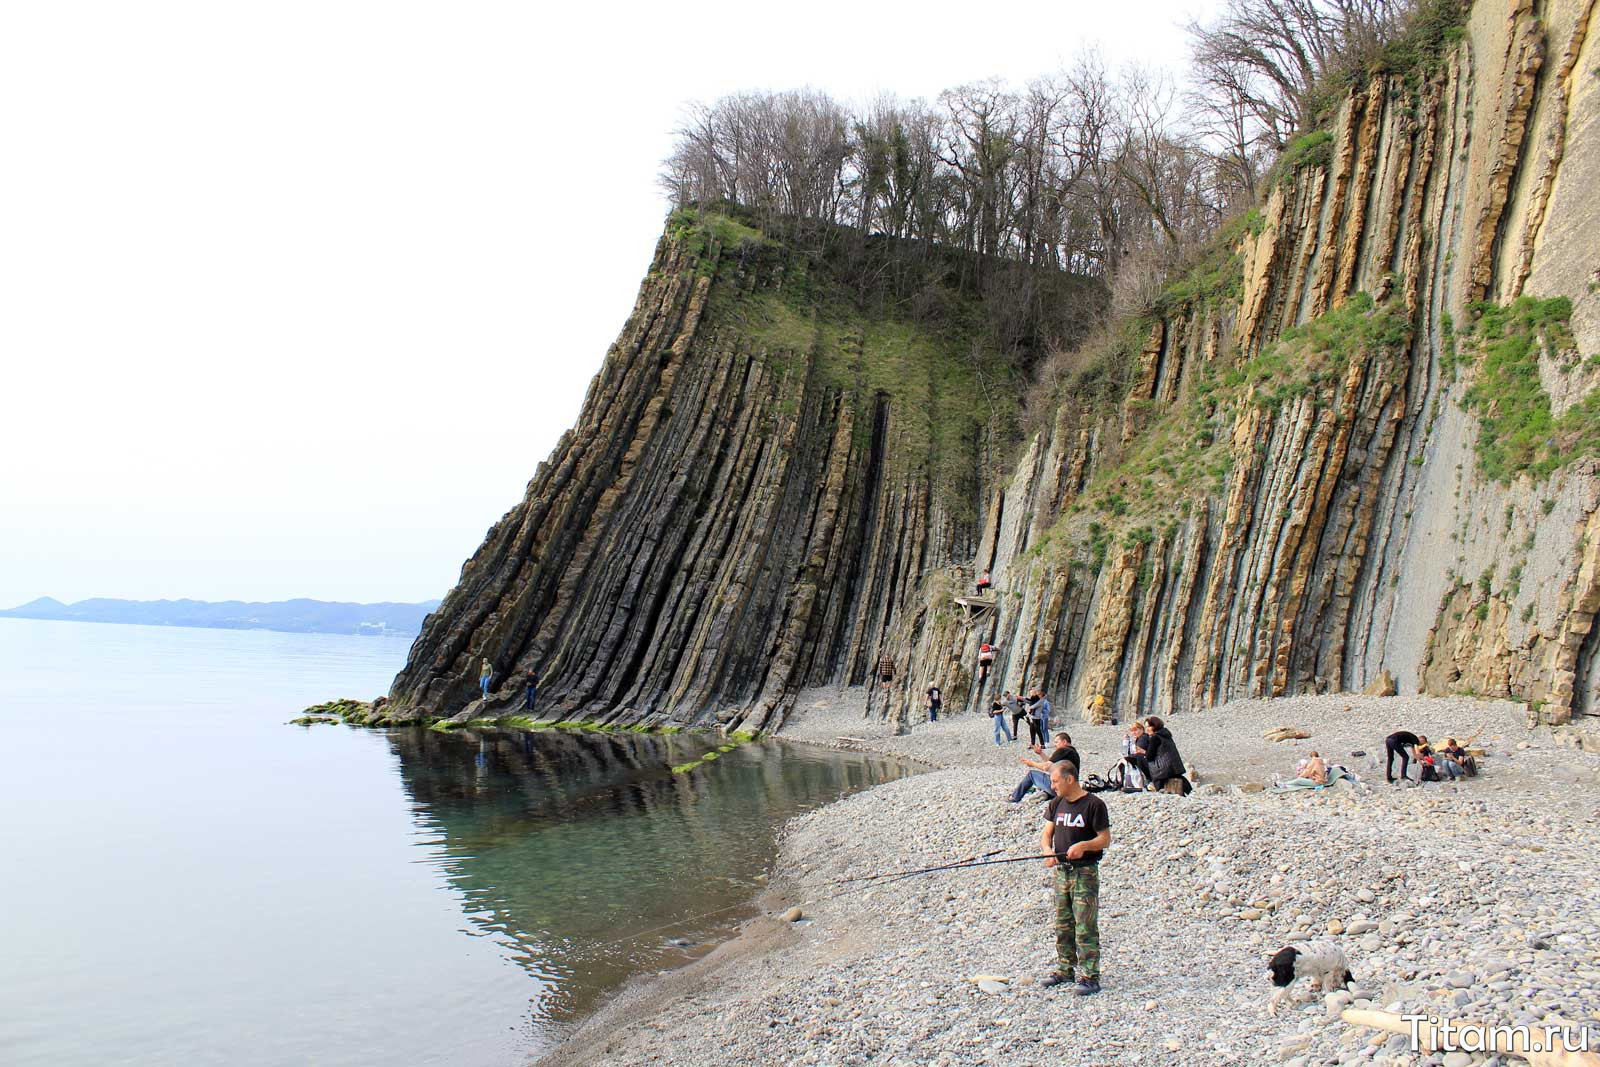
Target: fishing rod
(874, 881)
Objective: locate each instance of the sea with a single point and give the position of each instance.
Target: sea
(185, 878)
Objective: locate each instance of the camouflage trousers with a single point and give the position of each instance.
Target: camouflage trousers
(1078, 921)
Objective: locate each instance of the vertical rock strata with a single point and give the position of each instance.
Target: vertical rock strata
(737, 514)
(1347, 528)
(1289, 498)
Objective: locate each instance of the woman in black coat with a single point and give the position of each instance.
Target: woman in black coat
(1162, 761)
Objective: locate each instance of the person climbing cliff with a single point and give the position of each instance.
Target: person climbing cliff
(986, 653)
(485, 676)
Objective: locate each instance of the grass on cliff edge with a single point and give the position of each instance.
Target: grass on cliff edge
(1518, 431)
(944, 379)
(1185, 453)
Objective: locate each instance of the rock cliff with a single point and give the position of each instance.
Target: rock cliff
(770, 462)
(1361, 437)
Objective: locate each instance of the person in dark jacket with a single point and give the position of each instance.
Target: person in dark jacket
(1402, 743)
(530, 693)
(1162, 761)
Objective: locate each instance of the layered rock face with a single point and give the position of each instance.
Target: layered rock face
(1331, 463)
(752, 491)
(1333, 390)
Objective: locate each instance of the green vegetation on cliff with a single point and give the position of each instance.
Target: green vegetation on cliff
(947, 359)
(1184, 452)
(1519, 432)
(1310, 358)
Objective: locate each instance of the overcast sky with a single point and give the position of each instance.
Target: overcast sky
(294, 297)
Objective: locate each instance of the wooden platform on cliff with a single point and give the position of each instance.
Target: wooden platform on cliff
(975, 606)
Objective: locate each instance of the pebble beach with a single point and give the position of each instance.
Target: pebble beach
(1473, 901)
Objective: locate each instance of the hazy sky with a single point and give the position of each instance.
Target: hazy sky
(294, 297)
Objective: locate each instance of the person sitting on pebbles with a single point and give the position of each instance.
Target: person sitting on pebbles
(1313, 768)
(1427, 760)
(1038, 776)
(1308, 773)
(1127, 775)
(1159, 761)
(1456, 761)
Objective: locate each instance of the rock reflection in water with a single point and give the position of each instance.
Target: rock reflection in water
(564, 843)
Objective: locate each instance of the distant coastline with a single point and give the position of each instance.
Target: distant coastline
(301, 616)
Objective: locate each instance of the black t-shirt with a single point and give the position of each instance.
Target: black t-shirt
(1402, 739)
(1077, 820)
(934, 696)
(1066, 752)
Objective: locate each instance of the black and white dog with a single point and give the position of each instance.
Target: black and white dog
(1321, 961)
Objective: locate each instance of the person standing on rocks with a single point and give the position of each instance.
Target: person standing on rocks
(530, 693)
(1077, 829)
(1038, 717)
(1014, 708)
(935, 702)
(997, 712)
(1402, 743)
(485, 676)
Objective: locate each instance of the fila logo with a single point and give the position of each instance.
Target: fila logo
(1068, 818)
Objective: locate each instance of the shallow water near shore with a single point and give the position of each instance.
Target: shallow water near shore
(188, 880)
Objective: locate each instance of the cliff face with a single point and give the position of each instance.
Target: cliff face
(1336, 462)
(1360, 439)
(761, 476)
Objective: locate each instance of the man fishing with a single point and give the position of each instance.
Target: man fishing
(1077, 829)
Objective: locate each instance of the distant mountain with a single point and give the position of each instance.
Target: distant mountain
(290, 616)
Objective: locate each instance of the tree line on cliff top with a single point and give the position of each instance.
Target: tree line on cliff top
(1112, 175)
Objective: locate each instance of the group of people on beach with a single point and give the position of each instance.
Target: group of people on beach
(1449, 762)
(1036, 709)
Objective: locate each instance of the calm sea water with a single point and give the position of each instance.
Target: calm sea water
(185, 879)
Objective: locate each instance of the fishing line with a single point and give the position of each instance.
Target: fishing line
(872, 881)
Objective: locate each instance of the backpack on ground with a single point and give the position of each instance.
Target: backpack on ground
(1125, 777)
